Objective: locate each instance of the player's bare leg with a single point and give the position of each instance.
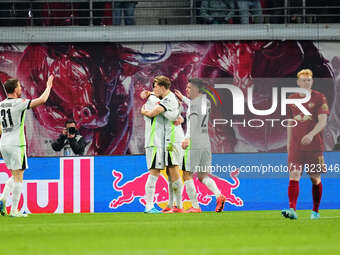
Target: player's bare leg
(191, 191)
(293, 191)
(211, 185)
(317, 194)
(18, 176)
(150, 187)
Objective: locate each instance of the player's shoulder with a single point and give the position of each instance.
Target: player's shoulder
(316, 93)
(318, 96)
(153, 99)
(172, 96)
(17, 100)
(10, 102)
(169, 98)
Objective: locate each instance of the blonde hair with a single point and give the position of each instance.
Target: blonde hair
(163, 81)
(306, 72)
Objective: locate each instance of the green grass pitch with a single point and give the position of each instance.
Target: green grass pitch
(242, 232)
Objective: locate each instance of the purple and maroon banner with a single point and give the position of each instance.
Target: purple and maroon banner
(98, 85)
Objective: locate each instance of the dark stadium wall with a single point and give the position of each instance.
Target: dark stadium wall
(98, 84)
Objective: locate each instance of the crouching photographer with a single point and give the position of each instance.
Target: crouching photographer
(70, 141)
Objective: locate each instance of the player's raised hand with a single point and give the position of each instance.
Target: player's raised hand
(145, 94)
(50, 81)
(307, 139)
(179, 121)
(44, 96)
(179, 94)
(185, 143)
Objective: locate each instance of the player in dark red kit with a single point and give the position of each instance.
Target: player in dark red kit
(305, 144)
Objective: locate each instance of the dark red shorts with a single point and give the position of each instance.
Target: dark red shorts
(311, 161)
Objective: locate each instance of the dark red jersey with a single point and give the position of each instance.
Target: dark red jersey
(316, 105)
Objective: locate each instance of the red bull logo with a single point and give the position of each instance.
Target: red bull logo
(135, 189)
(72, 192)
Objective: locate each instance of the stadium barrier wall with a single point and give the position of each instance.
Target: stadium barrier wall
(116, 184)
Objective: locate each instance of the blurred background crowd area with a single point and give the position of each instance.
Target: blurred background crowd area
(162, 12)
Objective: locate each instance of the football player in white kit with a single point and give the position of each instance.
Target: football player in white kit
(197, 155)
(169, 106)
(13, 142)
(154, 148)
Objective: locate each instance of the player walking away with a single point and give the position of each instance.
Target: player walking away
(169, 107)
(305, 144)
(13, 142)
(197, 155)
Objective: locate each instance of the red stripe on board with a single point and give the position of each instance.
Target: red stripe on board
(85, 185)
(68, 186)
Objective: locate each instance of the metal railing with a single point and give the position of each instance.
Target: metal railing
(156, 12)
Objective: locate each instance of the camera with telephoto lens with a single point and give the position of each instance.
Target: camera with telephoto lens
(71, 130)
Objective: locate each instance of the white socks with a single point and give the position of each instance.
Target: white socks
(150, 187)
(177, 187)
(191, 191)
(211, 185)
(171, 194)
(8, 189)
(17, 187)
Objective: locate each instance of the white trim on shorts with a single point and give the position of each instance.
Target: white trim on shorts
(157, 154)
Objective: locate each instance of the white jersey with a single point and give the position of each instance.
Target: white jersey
(173, 134)
(187, 101)
(198, 122)
(154, 127)
(12, 112)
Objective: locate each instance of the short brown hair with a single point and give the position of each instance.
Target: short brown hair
(200, 84)
(10, 85)
(162, 81)
(307, 72)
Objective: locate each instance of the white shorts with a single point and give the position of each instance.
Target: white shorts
(14, 156)
(174, 156)
(154, 157)
(198, 160)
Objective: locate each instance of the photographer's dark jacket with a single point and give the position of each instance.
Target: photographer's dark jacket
(70, 146)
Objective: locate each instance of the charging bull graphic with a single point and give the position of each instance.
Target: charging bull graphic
(135, 189)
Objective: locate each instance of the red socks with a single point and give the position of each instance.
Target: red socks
(293, 193)
(317, 193)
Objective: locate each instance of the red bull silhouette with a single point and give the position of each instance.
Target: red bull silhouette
(135, 188)
(204, 195)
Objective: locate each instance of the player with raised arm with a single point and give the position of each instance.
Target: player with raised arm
(13, 142)
(197, 155)
(305, 144)
(169, 107)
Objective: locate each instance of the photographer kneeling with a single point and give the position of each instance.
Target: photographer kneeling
(70, 140)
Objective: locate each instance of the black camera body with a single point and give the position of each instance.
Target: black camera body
(72, 130)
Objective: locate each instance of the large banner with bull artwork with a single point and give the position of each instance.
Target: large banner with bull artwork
(253, 181)
(98, 85)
